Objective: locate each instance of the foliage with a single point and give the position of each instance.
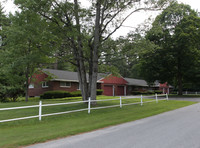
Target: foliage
(75, 93)
(99, 91)
(26, 47)
(55, 94)
(158, 91)
(146, 92)
(122, 55)
(64, 94)
(82, 31)
(173, 55)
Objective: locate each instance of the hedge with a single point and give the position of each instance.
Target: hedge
(64, 94)
(55, 94)
(99, 91)
(146, 92)
(75, 93)
(158, 92)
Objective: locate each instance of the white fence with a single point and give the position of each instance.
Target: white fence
(190, 92)
(89, 108)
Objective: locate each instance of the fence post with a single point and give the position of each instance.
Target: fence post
(89, 105)
(156, 98)
(167, 97)
(40, 110)
(141, 101)
(196, 92)
(120, 103)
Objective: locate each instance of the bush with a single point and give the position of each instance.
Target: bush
(75, 93)
(135, 92)
(64, 94)
(144, 93)
(150, 92)
(174, 92)
(99, 91)
(55, 94)
(158, 92)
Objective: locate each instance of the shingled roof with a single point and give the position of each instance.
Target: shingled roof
(63, 75)
(136, 82)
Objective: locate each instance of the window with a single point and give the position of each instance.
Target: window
(65, 84)
(45, 84)
(31, 85)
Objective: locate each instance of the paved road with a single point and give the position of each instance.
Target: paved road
(185, 99)
(175, 129)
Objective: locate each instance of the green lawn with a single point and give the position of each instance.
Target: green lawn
(25, 132)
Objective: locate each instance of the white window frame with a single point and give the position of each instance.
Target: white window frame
(65, 84)
(31, 85)
(45, 84)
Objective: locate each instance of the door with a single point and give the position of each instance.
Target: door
(120, 90)
(108, 90)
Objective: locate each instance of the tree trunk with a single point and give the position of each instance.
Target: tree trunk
(95, 52)
(179, 76)
(27, 84)
(90, 70)
(180, 85)
(79, 56)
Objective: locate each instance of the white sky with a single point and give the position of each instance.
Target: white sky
(133, 21)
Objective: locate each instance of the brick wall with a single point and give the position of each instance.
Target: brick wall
(37, 80)
(53, 85)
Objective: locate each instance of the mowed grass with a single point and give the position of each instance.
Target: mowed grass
(30, 131)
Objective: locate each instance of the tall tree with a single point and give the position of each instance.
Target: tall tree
(26, 47)
(4, 22)
(175, 35)
(123, 54)
(86, 29)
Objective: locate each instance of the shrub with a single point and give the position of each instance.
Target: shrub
(158, 92)
(99, 91)
(150, 92)
(174, 92)
(135, 92)
(75, 93)
(64, 94)
(144, 92)
(55, 94)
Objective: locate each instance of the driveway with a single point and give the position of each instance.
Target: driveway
(174, 129)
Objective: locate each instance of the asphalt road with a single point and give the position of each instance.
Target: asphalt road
(185, 99)
(175, 129)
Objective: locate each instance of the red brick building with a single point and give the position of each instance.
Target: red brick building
(50, 80)
(114, 86)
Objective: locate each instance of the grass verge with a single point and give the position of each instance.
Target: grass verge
(25, 132)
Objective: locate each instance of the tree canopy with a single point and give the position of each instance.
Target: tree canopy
(175, 57)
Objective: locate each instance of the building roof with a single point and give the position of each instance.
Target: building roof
(63, 75)
(136, 82)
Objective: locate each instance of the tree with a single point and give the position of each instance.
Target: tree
(4, 21)
(26, 48)
(175, 35)
(87, 29)
(122, 54)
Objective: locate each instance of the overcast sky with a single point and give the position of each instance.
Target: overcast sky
(133, 21)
